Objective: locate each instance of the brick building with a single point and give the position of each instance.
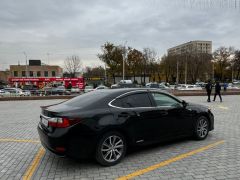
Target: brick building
(35, 69)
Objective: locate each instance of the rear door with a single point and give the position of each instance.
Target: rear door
(134, 111)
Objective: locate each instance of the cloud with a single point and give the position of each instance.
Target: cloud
(62, 28)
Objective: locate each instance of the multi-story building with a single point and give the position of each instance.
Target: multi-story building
(192, 47)
(35, 69)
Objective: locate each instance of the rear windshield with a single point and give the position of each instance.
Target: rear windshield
(87, 99)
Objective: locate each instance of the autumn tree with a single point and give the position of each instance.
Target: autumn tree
(236, 63)
(134, 61)
(94, 72)
(200, 66)
(112, 56)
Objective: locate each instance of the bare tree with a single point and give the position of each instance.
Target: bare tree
(72, 65)
(237, 63)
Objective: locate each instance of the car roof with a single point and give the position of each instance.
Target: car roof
(116, 92)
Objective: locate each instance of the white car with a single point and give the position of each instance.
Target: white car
(15, 91)
(101, 87)
(188, 87)
(126, 81)
(26, 92)
(231, 86)
(88, 89)
(4, 93)
(75, 90)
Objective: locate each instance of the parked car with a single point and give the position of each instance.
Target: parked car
(158, 86)
(4, 93)
(75, 90)
(202, 84)
(152, 85)
(26, 92)
(104, 123)
(88, 89)
(32, 88)
(188, 87)
(123, 85)
(101, 87)
(232, 86)
(60, 90)
(15, 91)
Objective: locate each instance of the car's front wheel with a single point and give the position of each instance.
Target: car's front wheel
(111, 149)
(201, 128)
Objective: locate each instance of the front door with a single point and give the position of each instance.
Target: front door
(173, 118)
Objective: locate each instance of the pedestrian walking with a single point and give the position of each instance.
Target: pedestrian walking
(217, 91)
(225, 86)
(69, 87)
(209, 90)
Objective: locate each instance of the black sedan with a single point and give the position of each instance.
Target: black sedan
(104, 123)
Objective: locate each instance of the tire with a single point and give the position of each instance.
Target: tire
(201, 128)
(111, 149)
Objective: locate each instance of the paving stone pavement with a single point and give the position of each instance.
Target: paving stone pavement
(19, 119)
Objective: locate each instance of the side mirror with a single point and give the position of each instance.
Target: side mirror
(184, 103)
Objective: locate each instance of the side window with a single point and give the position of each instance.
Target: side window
(132, 101)
(117, 102)
(164, 100)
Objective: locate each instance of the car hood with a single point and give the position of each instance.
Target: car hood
(197, 106)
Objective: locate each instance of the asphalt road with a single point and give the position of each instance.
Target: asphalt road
(217, 157)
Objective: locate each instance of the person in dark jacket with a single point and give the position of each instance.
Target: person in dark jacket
(209, 90)
(217, 91)
(69, 87)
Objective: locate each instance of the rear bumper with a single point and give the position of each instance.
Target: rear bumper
(51, 143)
(75, 147)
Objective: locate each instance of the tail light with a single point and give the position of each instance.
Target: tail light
(62, 122)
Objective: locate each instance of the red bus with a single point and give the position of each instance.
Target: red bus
(51, 81)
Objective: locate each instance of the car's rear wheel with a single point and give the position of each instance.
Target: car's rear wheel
(111, 149)
(201, 128)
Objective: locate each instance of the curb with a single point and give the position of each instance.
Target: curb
(189, 93)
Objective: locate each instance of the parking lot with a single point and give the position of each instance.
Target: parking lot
(217, 157)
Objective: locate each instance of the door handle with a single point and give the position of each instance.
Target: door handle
(138, 114)
(163, 113)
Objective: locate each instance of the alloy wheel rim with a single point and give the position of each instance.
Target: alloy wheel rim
(202, 128)
(112, 148)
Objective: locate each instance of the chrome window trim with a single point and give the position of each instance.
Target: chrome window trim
(146, 91)
(132, 108)
(126, 93)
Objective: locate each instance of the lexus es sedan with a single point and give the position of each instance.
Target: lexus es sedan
(104, 123)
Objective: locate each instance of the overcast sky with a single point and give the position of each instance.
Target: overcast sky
(63, 28)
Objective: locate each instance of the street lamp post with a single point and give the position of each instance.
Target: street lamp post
(177, 71)
(124, 58)
(105, 73)
(186, 70)
(26, 73)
